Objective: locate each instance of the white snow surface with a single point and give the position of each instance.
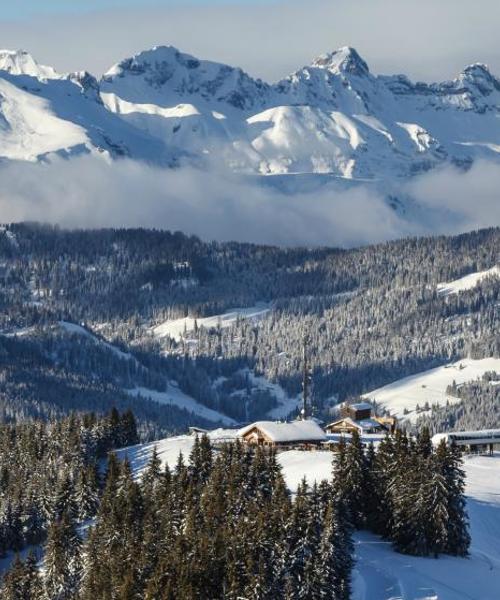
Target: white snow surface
(315, 466)
(381, 573)
(332, 116)
(468, 282)
(20, 62)
(79, 330)
(286, 404)
(175, 328)
(173, 395)
(176, 397)
(429, 386)
(44, 115)
(168, 449)
(295, 431)
(296, 464)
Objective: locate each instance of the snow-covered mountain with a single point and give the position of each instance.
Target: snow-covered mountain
(43, 113)
(333, 116)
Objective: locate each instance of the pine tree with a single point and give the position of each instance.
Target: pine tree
(128, 426)
(449, 463)
(350, 478)
(380, 507)
(62, 560)
(86, 496)
(424, 443)
(13, 583)
(434, 511)
(153, 474)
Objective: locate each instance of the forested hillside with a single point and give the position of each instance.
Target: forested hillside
(221, 523)
(48, 469)
(82, 315)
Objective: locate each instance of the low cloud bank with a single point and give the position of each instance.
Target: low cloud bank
(89, 192)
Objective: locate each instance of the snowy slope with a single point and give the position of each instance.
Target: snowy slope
(382, 574)
(176, 397)
(176, 328)
(44, 114)
(73, 328)
(315, 466)
(286, 404)
(429, 386)
(467, 282)
(172, 396)
(168, 449)
(332, 116)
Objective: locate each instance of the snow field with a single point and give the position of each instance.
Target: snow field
(429, 387)
(468, 282)
(177, 327)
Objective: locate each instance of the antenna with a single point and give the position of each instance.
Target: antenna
(306, 379)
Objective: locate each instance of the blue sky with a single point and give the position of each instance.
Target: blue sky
(429, 40)
(22, 9)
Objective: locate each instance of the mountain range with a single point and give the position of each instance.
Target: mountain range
(168, 108)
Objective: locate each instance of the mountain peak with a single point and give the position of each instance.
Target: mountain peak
(154, 59)
(20, 62)
(343, 60)
(478, 76)
(477, 72)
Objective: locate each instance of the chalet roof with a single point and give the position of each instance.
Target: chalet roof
(363, 425)
(361, 406)
(366, 438)
(297, 431)
(370, 424)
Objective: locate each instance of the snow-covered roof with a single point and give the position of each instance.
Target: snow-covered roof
(366, 438)
(297, 431)
(485, 436)
(370, 424)
(363, 425)
(361, 406)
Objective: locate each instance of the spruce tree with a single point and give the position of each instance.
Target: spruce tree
(449, 463)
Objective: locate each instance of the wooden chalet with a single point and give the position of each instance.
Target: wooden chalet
(359, 417)
(303, 434)
(348, 425)
(357, 412)
(194, 431)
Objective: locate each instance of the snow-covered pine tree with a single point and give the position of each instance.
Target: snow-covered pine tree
(62, 566)
(449, 463)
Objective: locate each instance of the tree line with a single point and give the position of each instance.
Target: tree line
(373, 314)
(46, 467)
(407, 491)
(220, 526)
(223, 525)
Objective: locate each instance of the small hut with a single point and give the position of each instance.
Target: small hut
(305, 434)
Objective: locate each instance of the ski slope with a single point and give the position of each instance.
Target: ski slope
(73, 328)
(429, 387)
(468, 282)
(381, 573)
(175, 397)
(286, 404)
(168, 449)
(176, 328)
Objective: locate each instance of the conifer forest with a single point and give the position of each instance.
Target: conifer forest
(115, 339)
